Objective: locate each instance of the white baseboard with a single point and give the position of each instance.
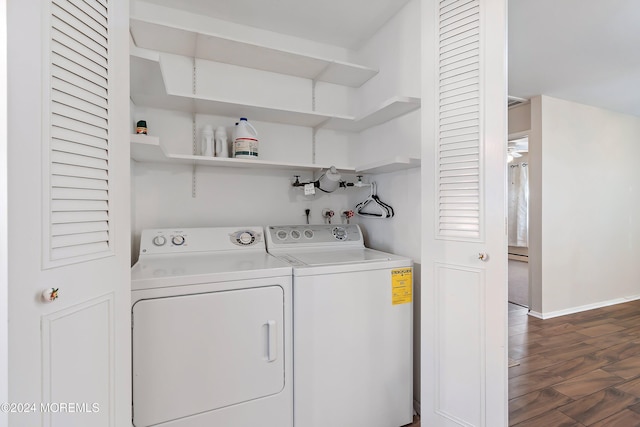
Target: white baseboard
(582, 308)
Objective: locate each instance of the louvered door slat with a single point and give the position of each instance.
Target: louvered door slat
(78, 205)
(448, 5)
(78, 160)
(452, 125)
(460, 23)
(79, 104)
(78, 228)
(74, 79)
(461, 9)
(79, 221)
(85, 150)
(78, 194)
(469, 111)
(83, 61)
(82, 10)
(459, 119)
(72, 252)
(73, 182)
(68, 14)
(100, 6)
(79, 239)
(60, 170)
(459, 174)
(452, 40)
(80, 37)
(80, 127)
(79, 70)
(77, 92)
(78, 115)
(78, 217)
(78, 137)
(64, 40)
(459, 82)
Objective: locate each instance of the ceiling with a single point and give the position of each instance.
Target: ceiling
(587, 51)
(345, 23)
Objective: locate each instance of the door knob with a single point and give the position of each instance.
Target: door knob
(50, 295)
(483, 256)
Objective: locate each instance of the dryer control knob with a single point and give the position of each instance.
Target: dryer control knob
(159, 240)
(177, 240)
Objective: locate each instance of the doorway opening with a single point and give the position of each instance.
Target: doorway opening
(518, 218)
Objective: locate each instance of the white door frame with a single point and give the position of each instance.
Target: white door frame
(4, 273)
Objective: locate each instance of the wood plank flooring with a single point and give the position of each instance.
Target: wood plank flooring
(576, 370)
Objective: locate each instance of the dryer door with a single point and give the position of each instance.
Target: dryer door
(198, 353)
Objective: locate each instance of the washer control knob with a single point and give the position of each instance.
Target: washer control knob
(282, 234)
(246, 238)
(177, 240)
(159, 240)
(295, 234)
(340, 233)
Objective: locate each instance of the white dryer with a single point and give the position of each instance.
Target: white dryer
(211, 330)
(353, 328)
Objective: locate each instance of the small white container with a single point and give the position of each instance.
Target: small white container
(222, 149)
(207, 148)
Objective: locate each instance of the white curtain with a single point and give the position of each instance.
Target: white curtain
(518, 198)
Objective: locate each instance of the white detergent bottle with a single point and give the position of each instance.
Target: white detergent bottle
(245, 144)
(207, 141)
(222, 150)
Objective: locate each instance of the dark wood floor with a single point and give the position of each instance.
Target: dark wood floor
(576, 370)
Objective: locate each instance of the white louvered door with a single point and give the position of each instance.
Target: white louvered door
(464, 314)
(78, 226)
(69, 212)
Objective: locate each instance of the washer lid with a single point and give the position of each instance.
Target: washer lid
(310, 262)
(165, 270)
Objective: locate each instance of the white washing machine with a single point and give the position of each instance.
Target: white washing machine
(211, 330)
(353, 328)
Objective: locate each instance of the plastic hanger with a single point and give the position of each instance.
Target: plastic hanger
(380, 209)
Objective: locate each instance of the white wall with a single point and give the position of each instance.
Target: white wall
(396, 51)
(230, 196)
(585, 189)
(520, 118)
(227, 196)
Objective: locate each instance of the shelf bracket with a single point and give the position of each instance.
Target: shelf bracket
(313, 95)
(194, 75)
(313, 146)
(322, 72)
(194, 149)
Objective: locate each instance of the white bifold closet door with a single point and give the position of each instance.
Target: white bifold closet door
(69, 213)
(464, 294)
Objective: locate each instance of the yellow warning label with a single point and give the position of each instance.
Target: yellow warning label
(401, 285)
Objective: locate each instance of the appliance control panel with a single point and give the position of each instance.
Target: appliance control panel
(282, 236)
(182, 240)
